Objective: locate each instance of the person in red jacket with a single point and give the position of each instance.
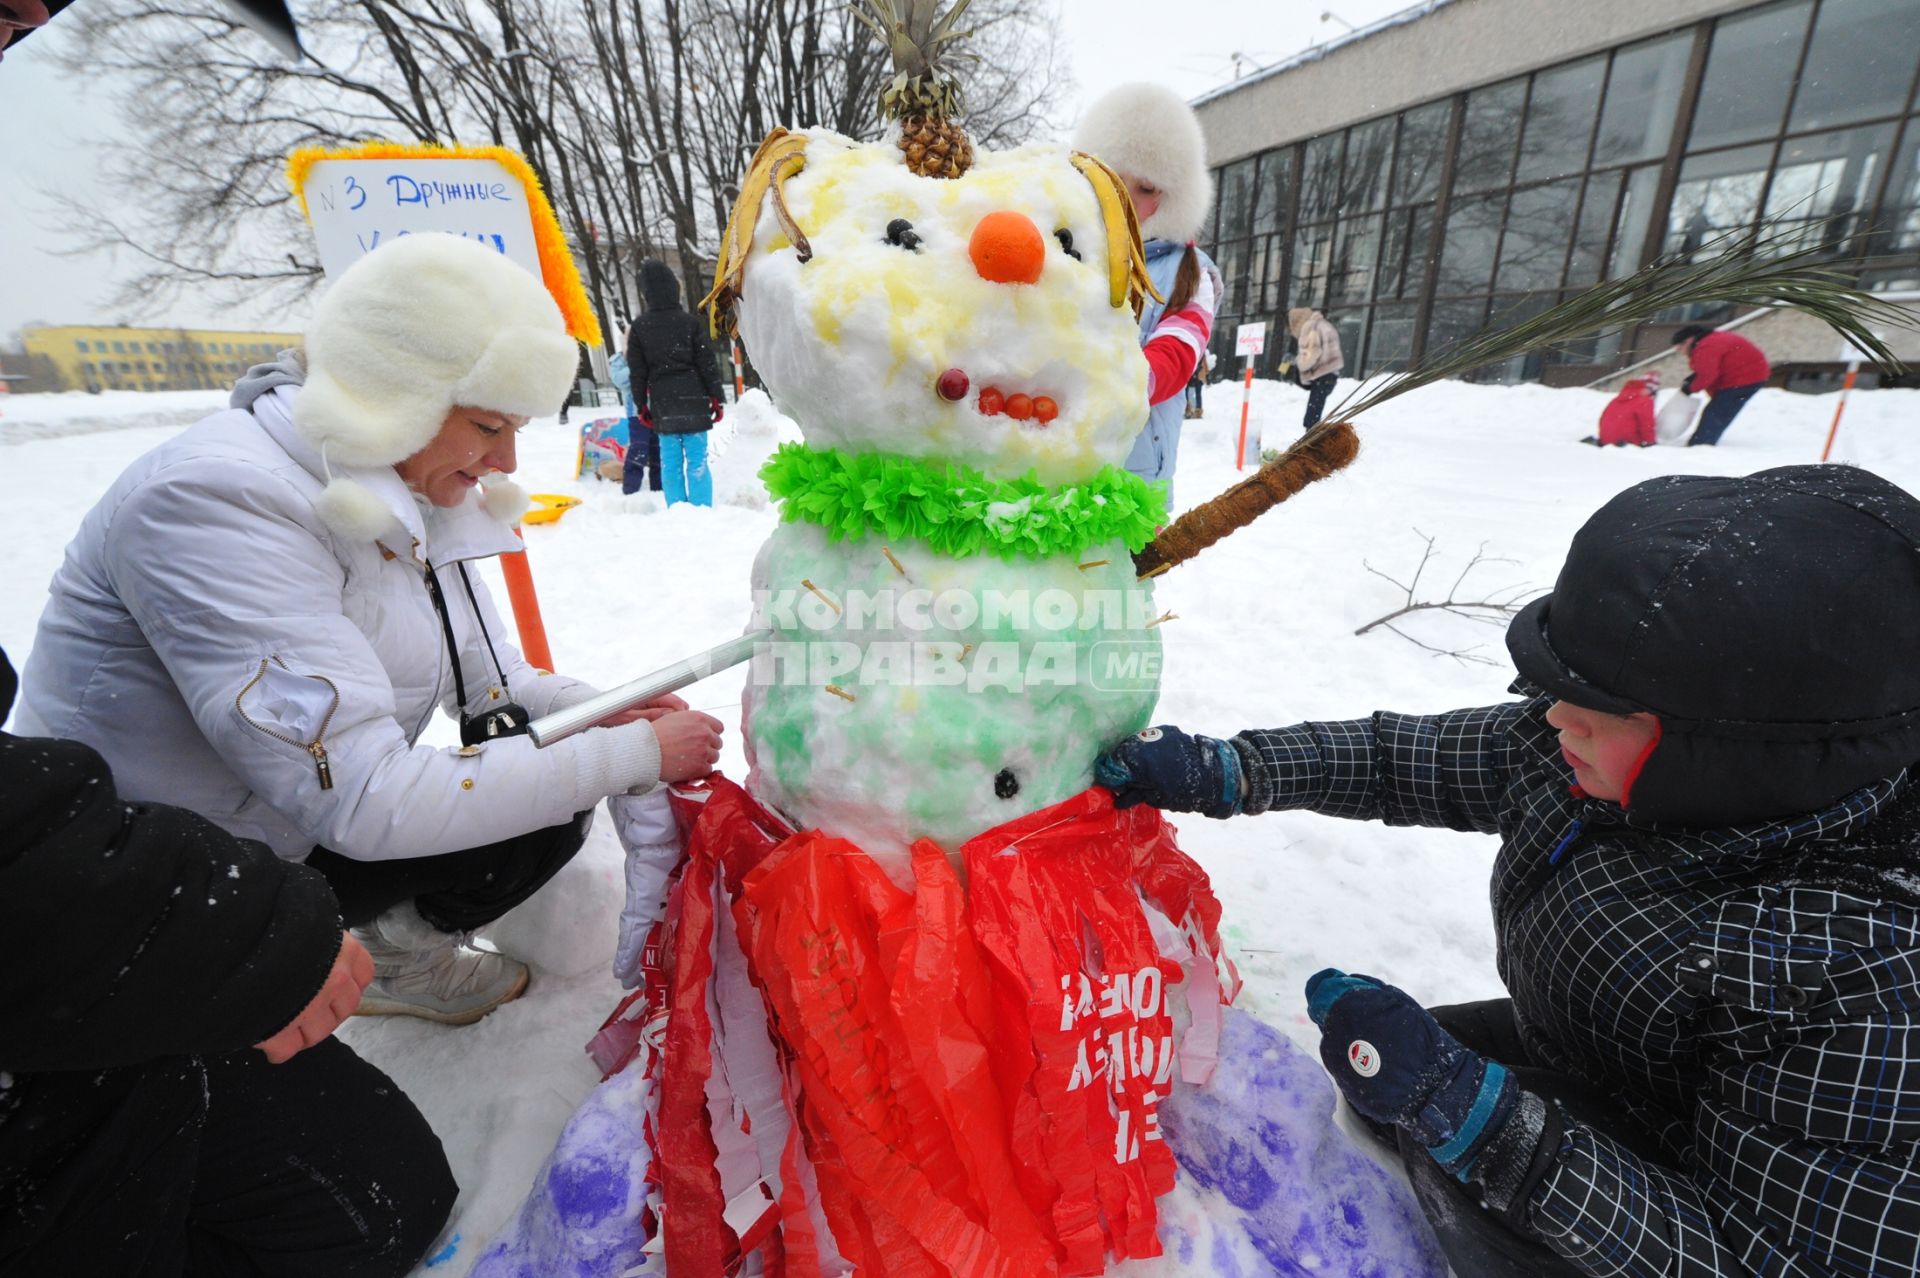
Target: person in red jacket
(1628, 418)
(1728, 368)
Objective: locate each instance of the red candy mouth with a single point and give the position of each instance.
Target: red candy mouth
(993, 402)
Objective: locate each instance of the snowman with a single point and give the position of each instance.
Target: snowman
(956, 622)
(919, 990)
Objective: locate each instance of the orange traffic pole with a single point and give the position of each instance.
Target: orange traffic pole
(1246, 398)
(739, 384)
(1839, 408)
(526, 608)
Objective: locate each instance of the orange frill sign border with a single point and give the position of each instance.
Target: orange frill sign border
(557, 269)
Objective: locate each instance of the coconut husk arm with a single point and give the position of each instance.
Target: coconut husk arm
(1317, 454)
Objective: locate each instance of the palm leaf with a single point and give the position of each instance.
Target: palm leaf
(1741, 268)
(1748, 268)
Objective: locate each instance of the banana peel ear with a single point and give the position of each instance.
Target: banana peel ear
(1127, 278)
(780, 155)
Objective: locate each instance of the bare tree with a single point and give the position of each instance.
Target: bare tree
(1494, 609)
(637, 115)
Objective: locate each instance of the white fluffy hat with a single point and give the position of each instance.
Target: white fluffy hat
(1145, 131)
(423, 323)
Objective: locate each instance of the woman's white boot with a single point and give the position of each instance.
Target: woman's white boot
(418, 970)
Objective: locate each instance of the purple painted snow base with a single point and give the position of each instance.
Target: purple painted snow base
(1269, 1186)
(1281, 1189)
(582, 1218)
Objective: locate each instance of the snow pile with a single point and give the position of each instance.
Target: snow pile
(1264, 636)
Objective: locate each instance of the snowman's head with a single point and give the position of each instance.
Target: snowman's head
(990, 319)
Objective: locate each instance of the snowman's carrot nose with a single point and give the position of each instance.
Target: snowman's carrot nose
(1007, 248)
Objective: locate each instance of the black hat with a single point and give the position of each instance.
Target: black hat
(1768, 621)
(658, 286)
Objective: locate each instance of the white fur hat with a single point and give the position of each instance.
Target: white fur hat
(1145, 131)
(419, 325)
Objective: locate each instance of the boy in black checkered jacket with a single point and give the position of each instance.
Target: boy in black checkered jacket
(1707, 896)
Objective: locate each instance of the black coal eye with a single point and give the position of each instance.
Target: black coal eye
(901, 232)
(1066, 242)
(1005, 784)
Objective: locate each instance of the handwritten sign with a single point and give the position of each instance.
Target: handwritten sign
(359, 204)
(1250, 339)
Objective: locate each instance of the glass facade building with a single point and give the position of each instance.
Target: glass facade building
(1490, 204)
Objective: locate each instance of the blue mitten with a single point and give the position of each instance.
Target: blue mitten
(1395, 1064)
(1171, 770)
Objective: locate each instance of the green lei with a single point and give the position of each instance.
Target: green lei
(957, 510)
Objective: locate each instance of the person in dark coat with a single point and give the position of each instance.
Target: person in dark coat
(675, 384)
(1706, 898)
(170, 1100)
(643, 444)
(1729, 368)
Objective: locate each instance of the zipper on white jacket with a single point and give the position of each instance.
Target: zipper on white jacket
(316, 747)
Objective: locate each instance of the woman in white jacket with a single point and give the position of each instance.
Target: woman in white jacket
(259, 618)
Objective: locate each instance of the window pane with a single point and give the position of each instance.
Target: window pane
(1859, 64)
(1717, 193)
(1236, 200)
(1276, 187)
(1749, 72)
(1534, 249)
(1403, 261)
(1352, 327)
(1643, 97)
(1560, 119)
(1312, 265)
(1392, 338)
(1823, 185)
(1232, 261)
(1506, 312)
(1369, 158)
(1898, 227)
(1596, 221)
(1354, 265)
(1630, 229)
(1453, 321)
(1320, 179)
(1473, 232)
(1256, 261)
(1423, 147)
(1273, 293)
(1487, 137)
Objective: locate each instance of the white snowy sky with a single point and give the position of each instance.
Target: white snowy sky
(51, 122)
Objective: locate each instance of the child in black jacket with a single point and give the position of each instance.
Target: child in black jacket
(1707, 895)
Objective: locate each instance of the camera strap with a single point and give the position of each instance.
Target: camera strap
(453, 649)
(481, 618)
(502, 718)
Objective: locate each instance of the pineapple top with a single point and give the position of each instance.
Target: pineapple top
(922, 41)
(923, 97)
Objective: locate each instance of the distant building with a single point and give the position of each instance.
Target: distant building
(1468, 163)
(96, 357)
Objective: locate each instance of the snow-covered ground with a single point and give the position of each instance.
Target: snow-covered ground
(1265, 636)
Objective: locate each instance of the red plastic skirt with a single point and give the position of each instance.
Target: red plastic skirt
(957, 1080)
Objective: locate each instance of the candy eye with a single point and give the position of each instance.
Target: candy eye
(1066, 242)
(901, 232)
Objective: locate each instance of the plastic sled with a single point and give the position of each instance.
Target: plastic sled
(548, 507)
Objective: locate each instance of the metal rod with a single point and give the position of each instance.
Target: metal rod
(562, 724)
